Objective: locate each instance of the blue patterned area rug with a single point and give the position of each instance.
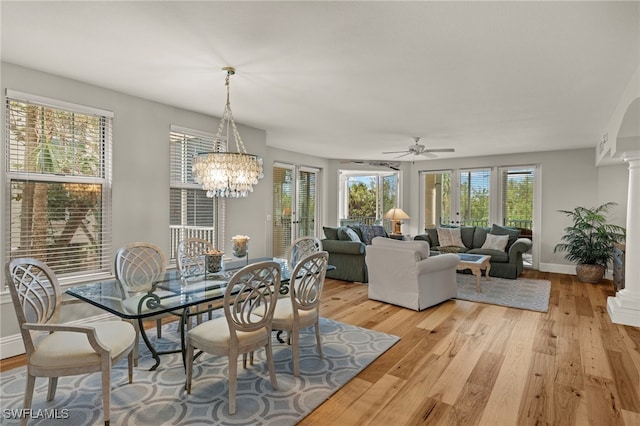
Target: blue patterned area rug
(158, 397)
(523, 293)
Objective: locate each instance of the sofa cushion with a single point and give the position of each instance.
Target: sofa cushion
(513, 234)
(433, 237)
(330, 233)
(347, 234)
(466, 235)
(369, 232)
(421, 247)
(452, 249)
(496, 242)
(448, 237)
(479, 236)
(498, 256)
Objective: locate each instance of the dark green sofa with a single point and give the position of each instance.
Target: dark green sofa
(346, 248)
(504, 264)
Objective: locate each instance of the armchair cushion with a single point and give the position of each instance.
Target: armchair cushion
(64, 349)
(420, 247)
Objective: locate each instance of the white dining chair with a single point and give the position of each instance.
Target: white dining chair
(56, 349)
(302, 247)
(240, 331)
(192, 263)
(137, 267)
(302, 308)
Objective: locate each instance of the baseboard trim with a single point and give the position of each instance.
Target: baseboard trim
(11, 346)
(567, 269)
(558, 268)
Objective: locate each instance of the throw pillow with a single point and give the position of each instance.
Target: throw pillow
(347, 234)
(496, 242)
(513, 234)
(448, 237)
(330, 233)
(369, 232)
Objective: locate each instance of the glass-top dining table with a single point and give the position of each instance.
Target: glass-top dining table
(171, 293)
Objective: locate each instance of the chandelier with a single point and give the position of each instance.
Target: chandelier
(223, 173)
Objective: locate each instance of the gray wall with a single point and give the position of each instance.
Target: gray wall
(141, 177)
(569, 179)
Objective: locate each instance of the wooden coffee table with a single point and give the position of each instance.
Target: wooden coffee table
(477, 263)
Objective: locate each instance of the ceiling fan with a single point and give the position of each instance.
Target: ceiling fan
(419, 149)
(393, 165)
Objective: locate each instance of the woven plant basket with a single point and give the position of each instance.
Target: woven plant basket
(590, 273)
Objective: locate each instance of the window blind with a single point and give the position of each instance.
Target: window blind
(517, 194)
(58, 168)
(474, 197)
(192, 213)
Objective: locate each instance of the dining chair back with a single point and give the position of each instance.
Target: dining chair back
(302, 247)
(53, 349)
(191, 257)
(302, 308)
(254, 287)
(137, 267)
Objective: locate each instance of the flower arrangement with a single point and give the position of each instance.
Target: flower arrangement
(214, 260)
(240, 243)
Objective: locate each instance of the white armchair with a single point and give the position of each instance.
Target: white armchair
(403, 274)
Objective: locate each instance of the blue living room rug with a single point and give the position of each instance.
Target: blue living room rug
(523, 293)
(158, 397)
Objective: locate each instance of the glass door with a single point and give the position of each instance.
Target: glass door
(436, 196)
(295, 194)
(517, 202)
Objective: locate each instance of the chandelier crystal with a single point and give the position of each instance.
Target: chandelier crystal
(223, 173)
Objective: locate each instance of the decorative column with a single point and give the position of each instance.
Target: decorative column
(624, 308)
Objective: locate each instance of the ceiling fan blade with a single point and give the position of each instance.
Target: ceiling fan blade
(440, 150)
(428, 154)
(395, 152)
(403, 155)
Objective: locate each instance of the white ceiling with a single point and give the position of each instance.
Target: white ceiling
(353, 79)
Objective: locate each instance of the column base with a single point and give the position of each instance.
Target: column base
(624, 309)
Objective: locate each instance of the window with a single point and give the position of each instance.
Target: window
(58, 167)
(192, 213)
(474, 198)
(481, 197)
(367, 196)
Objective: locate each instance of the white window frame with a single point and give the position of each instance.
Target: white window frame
(183, 179)
(104, 269)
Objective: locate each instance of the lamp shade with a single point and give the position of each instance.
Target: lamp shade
(396, 214)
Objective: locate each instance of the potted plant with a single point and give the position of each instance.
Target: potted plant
(590, 241)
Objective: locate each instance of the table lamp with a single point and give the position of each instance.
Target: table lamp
(396, 215)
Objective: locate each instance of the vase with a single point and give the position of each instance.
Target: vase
(240, 245)
(589, 273)
(214, 262)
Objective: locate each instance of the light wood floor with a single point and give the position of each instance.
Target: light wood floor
(463, 363)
